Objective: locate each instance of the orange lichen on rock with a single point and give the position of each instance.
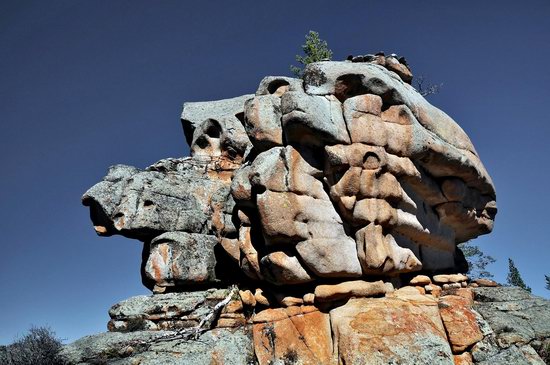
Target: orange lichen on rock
(285, 334)
(460, 322)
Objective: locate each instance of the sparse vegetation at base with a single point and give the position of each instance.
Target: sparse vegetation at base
(39, 346)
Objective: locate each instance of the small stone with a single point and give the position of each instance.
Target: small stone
(485, 282)
(452, 286)
(260, 297)
(126, 351)
(434, 290)
(357, 288)
(282, 269)
(368, 103)
(411, 293)
(452, 278)
(233, 306)
(231, 246)
(289, 301)
(465, 293)
(420, 280)
(262, 120)
(474, 285)
(464, 284)
(243, 217)
(463, 359)
(181, 258)
(231, 320)
(100, 230)
(309, 298)
(159, 289)
(117, 326)
(247, 298)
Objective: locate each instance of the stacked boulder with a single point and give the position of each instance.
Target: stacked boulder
(345, 174)
(315, 222)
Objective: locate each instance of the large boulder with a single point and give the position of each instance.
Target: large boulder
(346, 173)
(396, 330)
(143, 204)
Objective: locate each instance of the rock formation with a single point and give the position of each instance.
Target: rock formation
(315, 222)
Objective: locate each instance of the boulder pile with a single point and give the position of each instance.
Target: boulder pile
(315, 222)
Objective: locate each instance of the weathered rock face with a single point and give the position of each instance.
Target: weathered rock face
(289, 232)
(402, 328)
(220, 346)
(346, 173)
(496, 325)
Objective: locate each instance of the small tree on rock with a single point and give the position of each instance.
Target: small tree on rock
(426, 88)
(315, 50)
(514, 277)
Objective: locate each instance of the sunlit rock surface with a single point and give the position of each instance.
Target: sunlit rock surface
(315, 222)
(347, 173)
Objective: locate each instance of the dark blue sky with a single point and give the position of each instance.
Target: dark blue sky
(87, 84)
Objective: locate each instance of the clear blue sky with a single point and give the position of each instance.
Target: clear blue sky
(87, 84)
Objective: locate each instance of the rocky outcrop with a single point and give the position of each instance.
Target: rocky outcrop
(290, 233)
(220, 346)
(344, 174)
(493, 325)
(517, 324)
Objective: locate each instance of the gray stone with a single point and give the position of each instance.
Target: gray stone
(312, 120)
(181, 258)
(524, 355)
(502, 294)
(283, 269)
(278, 85)
(220, 138)
(485, 349)
(231, 347)
(165, 311)
(196, 113)
(241, 189)
(143, 204)
(285, 169)
(516, 316)
(263, 121)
